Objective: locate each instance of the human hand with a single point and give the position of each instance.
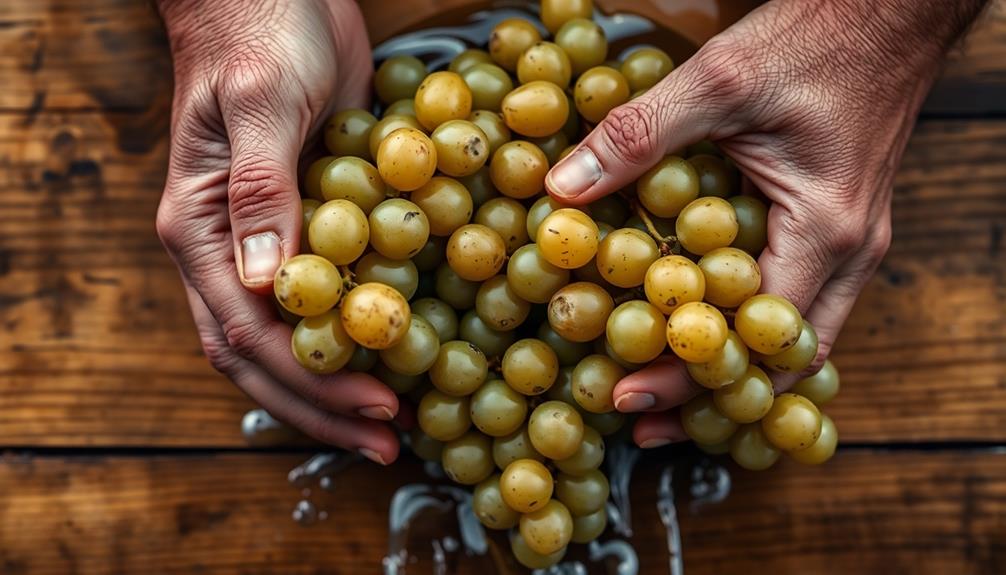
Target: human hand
(253, 79)
(814, 102)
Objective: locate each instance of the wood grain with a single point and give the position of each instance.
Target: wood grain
(869, 512)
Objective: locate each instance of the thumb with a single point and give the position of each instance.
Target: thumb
(263, 197)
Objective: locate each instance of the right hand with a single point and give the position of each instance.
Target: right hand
(253, 79)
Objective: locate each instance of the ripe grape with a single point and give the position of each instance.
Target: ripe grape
(768, 324)
(441, 97)
(353, 179)
(793, 423)
(697, 332)
(625, 255)
(307, 285)
(751, 449)
(555, 13)
(406, 159)
(398, 77)
(403, 107)
(582, 494)
(443, 417)
(440, 315)
(499, 306)
(446, 204)
(518, 169)
(489, 507)
(706, 224)
(579, 311)
(588, 455)
(489, 85)
(593, 382)
(644, 67)
(748, 399)
(732, 276)
(320, 343)
(347, 133)
(799, 356)
(398, 229)
(475, 252)
(386, 126)
(462, 148)
(820, 387)
(515, 446)
(584, 42)
(469, 58)
(547, 62)
(673, 281)
(526, 485)
(530, 366)
(399, 274)
(416, 352)
(598, 91)
(823, 449)
(729, 365)
(704, 423)
(587, 528)
(375, 315)
(536, 109)
(460, 368)
(507, 218)
(549, 529)
(493, 126)
(556, 429)
(568, 238)
(498, 410)
(468, 459)
(530, 558)
(635, 331)
(509, 39)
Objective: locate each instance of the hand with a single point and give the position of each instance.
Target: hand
(253, 79)
(814, 102)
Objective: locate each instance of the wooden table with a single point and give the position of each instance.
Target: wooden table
(122, 448)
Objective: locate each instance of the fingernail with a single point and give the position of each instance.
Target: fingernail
(372, 455)
(379, 412)
(575, 174)
(260, 257)
(655, 442)
(629, 402)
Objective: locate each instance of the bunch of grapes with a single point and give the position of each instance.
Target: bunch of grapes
(434, 259)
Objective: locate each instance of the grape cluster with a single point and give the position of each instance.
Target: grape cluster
(434, 259)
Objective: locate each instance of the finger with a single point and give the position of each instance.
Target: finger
(373, 439)
(658, 387)
(266, 124)
(658, 429)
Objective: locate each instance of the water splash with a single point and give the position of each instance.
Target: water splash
(564, 568)
(260, 429)
(305, 513)
(669, 517)
(628, 561)
(319, 466)
(710, 483)
(621, 459)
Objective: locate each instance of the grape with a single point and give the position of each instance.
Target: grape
(446, 204)
(823, 449)
(598, 91)
(536, 109)
(588, 455)
(492, 125)
(339, 232)
(498, 410)
(518, 169)
(547, 62)
(530, 366)
(673, 281)
(424, 446)
(515, 446)
(584, 42)
(799, 356)
(751, 450)
(704, 423)
(507, 218)
(748, 399)
(587, 528)
(644, 67)
(468, 459)
(492, 343)
(625, 255)
(307, 208)
(706, 224)
(442, 96)
(509, 39)
(353, 179)
(489, 507)
(363, 359)
(547, 530)
(469, 58)
(556, 429)
(403, 107)
(475, 252)
(416, 351)
(538, 211)
(443, 417)
(793, 423)
(375, 315)
(462, 148)
(732, 276)
(406, 159)
(579, 311)
(399, 274)
(562, 389)
(752, 223)
(594, 380)
(567, 238)
(716, 177)
(320, 343)
(398, 77)
(729, 365)
(398, 229)
(605, 423)
(716, 448)
(489, 85)
(530, 558)
(697, 332)
(568, 352)
(440, 315)
(386, 126)
(399, 383)
(555, 13)
(312, 177)
(347, 133)
(499, 306)
(456, 291)
(821, 387)
(307, 285)
(602, 345)
(635, 331)
(526, 485)
(460, 368)
(768, 324)
(582, 494)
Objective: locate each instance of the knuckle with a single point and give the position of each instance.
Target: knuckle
(727, 72)
(219, 354)
(168, 227)
(880, 242)
(249, 76)
(243, 338)
(632, 130)
(257, 188)
(846, 237)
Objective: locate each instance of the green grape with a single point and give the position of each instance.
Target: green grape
(468, 459)
(706, 224)
(375, 315)
(589, 454)
(663, 226)
(498, 305)
(748, 399)
(668, 187)
(568, 352)
(480, 186)
(567, 238)
(552, 146)
(507, 218)
(579, 311)
(752, 224)
(489, 507)
(363, 359)
(518, 169)
(388, 124)
(398, 77)
(530, 558)
(603, 346)
(475, 252)
(307, 285)
(355, 180)
(536, 109)
(509, 39)
(339, 232)
(399, 274)
(587, 528)
(403, 107)
(716, 177)
(469, 58)
(704, 423)
(823, 449)
(416, 352)
(610, 210)
(397, 382)
(697, 332)
(635, 331)
(498, 410)
(547, 530)
(793, 423)
(526, 485)
(598, 91)
(347, 133)
(799, 356)
(446, 203)
(456, 291)
(489, 85)
(584, 42)
(398, 229)
(732, 276)
(532, 277)
(515, 446)
(538, 211)
(556, 429)
(462, 148)
(492, 125)
(605, 423)
(312, 177)
(544, 61)
(729, 365)
(307, 207)
(716, 448)
(673, 281)
(441, 97)
(443, 417)
(644, 67)
(424, 446)
(625, 255)
(406, 159)
(562, 389)
(594, 380)
(440, 315)
(320, 343)
(493, 343)
(530, 366)
(582, 494)
(751, 450)
(460, 368)
(768, 324)
(821, 387)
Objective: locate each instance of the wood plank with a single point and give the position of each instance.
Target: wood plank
(868, 512)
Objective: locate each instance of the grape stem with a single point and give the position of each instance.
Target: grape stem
(347, 278)
(668, 244)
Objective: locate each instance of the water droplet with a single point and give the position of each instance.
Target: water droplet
(305, 513)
